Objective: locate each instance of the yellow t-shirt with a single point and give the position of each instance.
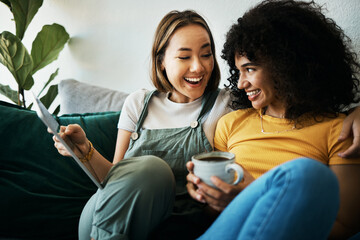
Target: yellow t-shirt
(239, 132)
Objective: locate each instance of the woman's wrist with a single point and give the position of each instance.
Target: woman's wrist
(87, 152)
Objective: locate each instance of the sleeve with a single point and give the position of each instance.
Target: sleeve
(221, 107)
(131, 110)
(336, 147)
(221, 135)
(226, 99)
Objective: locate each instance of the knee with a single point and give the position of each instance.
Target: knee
(155, 170)
(313, 176)
(152, 163)
(143, 172)
(314, 171)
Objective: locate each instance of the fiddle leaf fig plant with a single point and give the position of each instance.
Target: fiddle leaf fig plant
(46, 48)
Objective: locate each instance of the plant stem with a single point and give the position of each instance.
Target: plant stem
(18, 95)
(21, 95)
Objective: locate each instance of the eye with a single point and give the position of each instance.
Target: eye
(250, 70)
(184, 58)
(207, 55)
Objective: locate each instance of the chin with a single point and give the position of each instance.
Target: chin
(257, 107)
(194, 97)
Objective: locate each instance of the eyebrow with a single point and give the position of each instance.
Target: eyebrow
(189, 49)
(249, 64)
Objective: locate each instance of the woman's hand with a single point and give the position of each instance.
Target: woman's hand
(75, 137)
(351, 127)
(219, 198)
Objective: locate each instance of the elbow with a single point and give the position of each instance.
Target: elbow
(341, 231)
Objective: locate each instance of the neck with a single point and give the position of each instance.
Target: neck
(273, 113)
(177, 97)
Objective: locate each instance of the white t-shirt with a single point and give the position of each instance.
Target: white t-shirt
(163, 113)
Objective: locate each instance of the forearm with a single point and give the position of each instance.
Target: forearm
(98, 166)
(348, 217)
(122, 144)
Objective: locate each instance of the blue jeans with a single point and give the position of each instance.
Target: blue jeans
(296, 200)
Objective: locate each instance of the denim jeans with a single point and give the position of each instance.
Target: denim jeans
(296, 200)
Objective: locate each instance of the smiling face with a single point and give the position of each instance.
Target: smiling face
(188, 63)
(258, 86)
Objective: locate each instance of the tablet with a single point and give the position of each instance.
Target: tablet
(53, 125)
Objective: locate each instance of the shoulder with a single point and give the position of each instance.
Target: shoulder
(131, 110)
(240, 114)
(224, 96)
(236, 119)
(138, 94)
(335, 124)
(326, 123)
(136, 98)
(339, 119)
(135, 101)
(222, 104)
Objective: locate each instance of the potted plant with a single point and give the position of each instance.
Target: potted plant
(23, 65)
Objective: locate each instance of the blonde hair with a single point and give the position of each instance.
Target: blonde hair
(167, 26)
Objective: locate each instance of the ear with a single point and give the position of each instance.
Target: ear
(162, 67)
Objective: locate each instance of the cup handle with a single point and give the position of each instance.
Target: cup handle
(238, 169)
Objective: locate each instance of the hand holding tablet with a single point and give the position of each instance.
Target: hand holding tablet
(53, 126)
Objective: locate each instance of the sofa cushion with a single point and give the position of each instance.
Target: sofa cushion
(79, 97)
(43, 193)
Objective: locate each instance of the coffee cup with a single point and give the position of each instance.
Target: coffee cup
(220, 164)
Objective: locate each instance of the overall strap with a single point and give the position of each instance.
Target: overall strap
(208, 102)
(145, 110)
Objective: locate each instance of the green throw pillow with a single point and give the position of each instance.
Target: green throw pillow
(43, 193)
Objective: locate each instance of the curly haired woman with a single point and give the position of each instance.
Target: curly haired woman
(292, 73)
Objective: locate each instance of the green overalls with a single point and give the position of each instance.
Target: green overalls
(143, 181)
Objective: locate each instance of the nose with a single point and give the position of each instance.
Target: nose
(242, 82)
(196, 65)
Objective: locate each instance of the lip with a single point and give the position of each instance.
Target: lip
(255, 94)
(194, 80)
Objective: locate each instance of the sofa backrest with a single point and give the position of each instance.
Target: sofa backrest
(43, 193)
(80, 97)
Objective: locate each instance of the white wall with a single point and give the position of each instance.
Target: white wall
(111, 39)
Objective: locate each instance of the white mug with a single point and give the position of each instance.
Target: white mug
(220, 164)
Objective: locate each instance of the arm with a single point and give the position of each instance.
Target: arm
(76, 138)
(348, 218)
(122, 144)
(351, 127)
(219, 198)
(129, 117)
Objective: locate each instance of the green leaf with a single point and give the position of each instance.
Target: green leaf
(50, 96)
(57, 110)
(52, 77)
(16, 58)
(23, 12)
(29, 82)
(9, 93)
(7, 3)
(47, 45)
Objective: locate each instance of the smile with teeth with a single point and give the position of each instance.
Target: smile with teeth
(252, 93)
(194, 80)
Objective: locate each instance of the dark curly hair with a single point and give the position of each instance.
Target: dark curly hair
(309, 57)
